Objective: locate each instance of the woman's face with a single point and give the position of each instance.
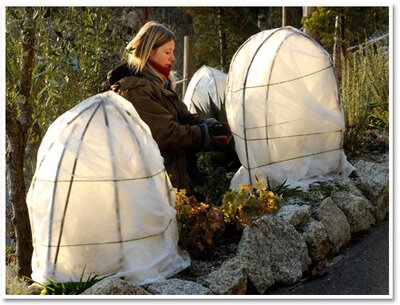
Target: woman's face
(164, 55)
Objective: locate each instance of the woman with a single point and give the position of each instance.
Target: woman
(145, 80)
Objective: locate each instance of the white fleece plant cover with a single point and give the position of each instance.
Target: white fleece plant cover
(206, 82)
(284, 109)
(100, 200)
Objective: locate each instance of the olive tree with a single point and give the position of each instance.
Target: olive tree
(55, 57)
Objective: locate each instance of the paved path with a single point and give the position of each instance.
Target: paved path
(361, 269)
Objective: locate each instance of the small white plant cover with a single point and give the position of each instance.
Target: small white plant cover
(205, 83)
(284, 109)
(100, 200)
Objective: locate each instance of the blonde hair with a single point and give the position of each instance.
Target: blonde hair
(150, 37)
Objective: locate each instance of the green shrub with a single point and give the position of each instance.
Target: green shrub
(284, 189)
(365, 92)
(216, 182)
(217, 160)
(15, 285)
(241, 206)
(70, 288)
(10, 254)
(200, 225)
(211, 110)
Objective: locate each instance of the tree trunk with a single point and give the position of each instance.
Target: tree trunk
(222, 41)
(284, 16)
(307, 11)
(18, 123)
(189, 64)
(291, 15)
(261, 19)
(338, 50)
(17, 189)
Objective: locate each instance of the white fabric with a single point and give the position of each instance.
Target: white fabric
(100, 199)
(205, 83)
(284, 109)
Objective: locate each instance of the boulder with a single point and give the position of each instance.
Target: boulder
(35, 289)
(373, 181)
(335, 223)
(114, 286)
(253, 247)
(178, 287)
(317, 239)
(230, 279)
(295, 214)
(202, 268)
(346, 184)
(275, 252)
(358, 210)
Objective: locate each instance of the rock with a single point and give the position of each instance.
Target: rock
(375, 144)
(230, 279)
(335, 223)
(334, 261)
(35, 289)
(295, 199)
(253, 247)
(317, 239)
(346, 184)
(201, 268)
(275, 252)
(373, 181)
(295, 214)
(358, 210)
(114, 286)
(178, 287)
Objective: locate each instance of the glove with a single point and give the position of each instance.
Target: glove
(206, 134)
(220, 133)
(209, 121)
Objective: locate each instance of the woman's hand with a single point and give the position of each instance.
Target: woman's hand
(220, 132)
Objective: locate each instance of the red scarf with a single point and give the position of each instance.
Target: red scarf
(162, 69)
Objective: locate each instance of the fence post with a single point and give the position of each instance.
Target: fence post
(188, 61)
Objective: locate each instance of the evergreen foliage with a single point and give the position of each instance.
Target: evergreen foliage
(74, 49)
(365, 92)
(212, 110)
(15, 285)
(221, 30)
(216, 182)
(359, 24)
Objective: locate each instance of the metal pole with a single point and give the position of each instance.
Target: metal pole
(283, 16)
(188, 62)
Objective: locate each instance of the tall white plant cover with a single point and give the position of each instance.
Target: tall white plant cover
(205, 83)
(100, 200)
(284, 109)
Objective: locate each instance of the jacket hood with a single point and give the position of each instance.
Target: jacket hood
(117, 74)
(122, 71)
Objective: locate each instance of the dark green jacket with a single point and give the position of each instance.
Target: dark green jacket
(173, 127)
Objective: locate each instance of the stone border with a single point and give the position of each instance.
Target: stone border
(278, 249)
